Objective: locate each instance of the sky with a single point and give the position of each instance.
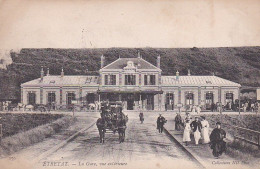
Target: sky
(128, 23)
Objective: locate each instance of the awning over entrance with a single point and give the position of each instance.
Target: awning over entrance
(132, 91)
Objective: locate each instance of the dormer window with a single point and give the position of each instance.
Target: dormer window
(149, 79)
(130, 79)
(110, 79)
(52, 82)
(208, 82)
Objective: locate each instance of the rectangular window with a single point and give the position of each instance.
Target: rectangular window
(31, 98)
(169, 99)
(209, 98)
(130, 80)
(70, 97)
(110, 79)
(229, 97)
(51, 97)
(189, 99)
(149, 79)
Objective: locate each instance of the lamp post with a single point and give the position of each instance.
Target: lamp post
(239, 96)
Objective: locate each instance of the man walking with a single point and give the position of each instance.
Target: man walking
(218, 145)
(160, 122)
(196, 128)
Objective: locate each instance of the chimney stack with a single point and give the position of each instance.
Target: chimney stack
(102, 61)
(188, 72)
(62, 72)
(159, 61)
(42, 73)
(139, 55)
(177, 75)
(48, 72)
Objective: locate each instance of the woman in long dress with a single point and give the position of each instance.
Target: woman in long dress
(205, 130)
(186, 133)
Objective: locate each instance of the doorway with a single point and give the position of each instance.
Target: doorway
(130, 102)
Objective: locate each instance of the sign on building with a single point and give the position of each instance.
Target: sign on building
(258, 94)
(74, 101)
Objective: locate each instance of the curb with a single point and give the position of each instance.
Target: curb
(195, 158)
(62, 144)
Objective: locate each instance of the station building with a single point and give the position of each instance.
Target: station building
(134, 81)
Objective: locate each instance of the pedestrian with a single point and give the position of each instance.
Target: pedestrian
(212, 106)
(141, 116)
(244, 107)
(188, 117)
(252, 106)
(186, 132)
(204, 130)
(217, 143)
(193, 109)
(196, 129)
(160, 122)
(198, 109)
(178, 122)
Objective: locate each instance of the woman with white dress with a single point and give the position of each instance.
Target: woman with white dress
(186, 133)
(205, 130)
(198, 109)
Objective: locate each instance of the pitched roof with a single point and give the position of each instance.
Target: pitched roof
(53, 80)
(138, 62)
(197, 81)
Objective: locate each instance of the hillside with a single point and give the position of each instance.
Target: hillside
(239, 64)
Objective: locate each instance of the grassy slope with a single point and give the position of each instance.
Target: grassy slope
(241, 65)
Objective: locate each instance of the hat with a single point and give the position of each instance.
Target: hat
(218, 123)
(203, 117)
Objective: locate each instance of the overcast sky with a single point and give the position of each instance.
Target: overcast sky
(140, 23)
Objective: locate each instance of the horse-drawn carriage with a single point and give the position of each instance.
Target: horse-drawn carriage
(112, 119)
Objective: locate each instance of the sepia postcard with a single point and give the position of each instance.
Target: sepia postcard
(141, 84)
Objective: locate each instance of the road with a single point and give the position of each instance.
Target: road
(144, 147)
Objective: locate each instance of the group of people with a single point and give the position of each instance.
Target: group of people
(199, 128)
(250, 106)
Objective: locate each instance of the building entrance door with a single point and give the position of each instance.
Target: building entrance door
(130, 102)
(150, 102)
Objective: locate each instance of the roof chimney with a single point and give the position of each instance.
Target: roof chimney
(102, 61)
(62, 72)
(42, 73)
(188, 72)
(159, 61)
(48, 72)
(177, 75)
(139, 55)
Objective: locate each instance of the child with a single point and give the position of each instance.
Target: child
(186, 133)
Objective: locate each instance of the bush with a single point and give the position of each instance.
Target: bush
(18, 141)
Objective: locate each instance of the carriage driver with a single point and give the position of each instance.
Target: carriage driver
(101, 125)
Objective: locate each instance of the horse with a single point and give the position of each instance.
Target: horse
(29, 107)
(20, 106)
(91, 106)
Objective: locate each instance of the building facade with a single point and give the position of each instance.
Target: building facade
(135, 82)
